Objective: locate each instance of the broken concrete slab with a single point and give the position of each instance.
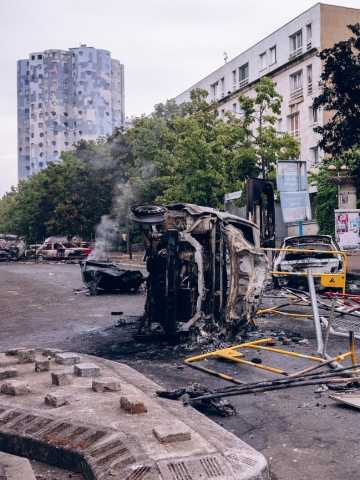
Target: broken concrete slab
(7, 361)
(13, 467)
(51, 352)
(86, 370)
(57, 399)
(92, 433)
(132, 404)
(8, 373)
(106, 384)
(26, 356)
(42, 366)
(15, 387)
(67, 358)
(61, 378)
(169, 433)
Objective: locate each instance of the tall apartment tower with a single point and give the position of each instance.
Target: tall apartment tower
(289, 57)
(65, 96)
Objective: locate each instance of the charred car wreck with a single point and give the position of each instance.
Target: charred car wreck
(12, 247)
(323, 259)
(108, 277)
(206, 273)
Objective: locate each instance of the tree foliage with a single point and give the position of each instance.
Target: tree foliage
(340, 95)
(184, 153)
(261, 114)
(326, 201)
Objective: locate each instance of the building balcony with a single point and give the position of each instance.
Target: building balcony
(295, 53)
(243, 83)
(297, 94)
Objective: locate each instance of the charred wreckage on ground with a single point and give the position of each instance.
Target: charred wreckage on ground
(205, 271)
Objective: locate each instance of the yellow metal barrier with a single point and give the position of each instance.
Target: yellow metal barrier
(232, 354)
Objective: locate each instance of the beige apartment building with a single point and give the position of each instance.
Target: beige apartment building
(289, 57)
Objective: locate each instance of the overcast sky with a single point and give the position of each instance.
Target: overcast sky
(166, 45)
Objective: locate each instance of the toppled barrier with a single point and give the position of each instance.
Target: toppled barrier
(205, 269)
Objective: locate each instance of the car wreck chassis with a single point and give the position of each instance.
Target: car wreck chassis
(205, 270)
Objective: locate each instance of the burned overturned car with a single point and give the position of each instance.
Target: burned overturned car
(205, 272)
(323, 259)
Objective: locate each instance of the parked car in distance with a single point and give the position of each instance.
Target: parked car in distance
(323, 261)
(59, 248)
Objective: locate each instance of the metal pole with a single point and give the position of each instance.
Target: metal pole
(301, 228)
(316, 316)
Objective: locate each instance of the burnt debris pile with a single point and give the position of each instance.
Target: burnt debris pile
(206, 274)
(109, 277)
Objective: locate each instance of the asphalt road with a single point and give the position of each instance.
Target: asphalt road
(304, 434)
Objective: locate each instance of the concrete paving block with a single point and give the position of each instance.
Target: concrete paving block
(57, 399)
(26, 356)
(8, 373)
(86, 370)
(15, 387)
(15, 468)
(132, 404)
(61, 378)
(67, 358)
(106, 384)
(169, 433)
(6, 361)
(51, 352)
(42, 366)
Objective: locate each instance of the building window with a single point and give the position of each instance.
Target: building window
(296, 81)
(234, 77)
(243, 74)
(315, 155)
(308, 36)
(32, 57)
(294, 124)
(279, 125)
(40, 125)
(41, 154)
(313, 115)
(262, 61)
(41, 145)
(53, 142)
(309, 78)
(80, 112)
(214, 88)
(222, 83)
(39, 105)
(296, 43)
(41, 134)
(272, 52)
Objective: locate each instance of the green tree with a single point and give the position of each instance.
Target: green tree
(261, 114)
(340, 95)
(326, 201)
